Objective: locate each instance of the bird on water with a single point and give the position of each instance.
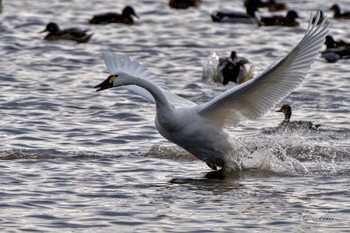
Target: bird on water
(294, 125)
(199, 129)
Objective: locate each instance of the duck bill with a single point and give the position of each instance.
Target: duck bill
(45, 30)
(279, 110)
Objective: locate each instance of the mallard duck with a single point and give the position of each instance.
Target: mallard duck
(286, 123)
(184, 4)
(232, 69)
(124, 17)
(335, 50)
(288, 21)
(273, 6)
(75, 34)
(236, 17)
(337, 14)
(334, 54)
(331, 43)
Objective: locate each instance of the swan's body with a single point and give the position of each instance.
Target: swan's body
(199, 128)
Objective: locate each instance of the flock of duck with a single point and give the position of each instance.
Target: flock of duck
(335, 50)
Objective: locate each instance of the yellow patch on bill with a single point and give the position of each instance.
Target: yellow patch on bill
(111, 80)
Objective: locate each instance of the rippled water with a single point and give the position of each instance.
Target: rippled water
(76, 160)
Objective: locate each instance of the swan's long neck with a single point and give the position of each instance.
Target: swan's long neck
(162, 103)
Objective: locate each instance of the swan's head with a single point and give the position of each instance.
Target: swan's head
(114, 80)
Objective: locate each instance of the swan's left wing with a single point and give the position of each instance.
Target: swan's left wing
(255, 97)
(115, 63)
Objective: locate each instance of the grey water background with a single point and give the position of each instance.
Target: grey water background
(73, 160)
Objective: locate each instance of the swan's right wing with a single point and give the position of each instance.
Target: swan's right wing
(255, 97)
(116, 63)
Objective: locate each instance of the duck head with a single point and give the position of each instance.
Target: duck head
(292, 15)
(287, 110)
(51, 27)
(128, 11)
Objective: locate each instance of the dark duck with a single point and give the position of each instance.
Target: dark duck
(335, 49)
(240, 17)
(337, 14)
(184, 4)
(273, 6)
(287, 21)
(124, 18)
(75, 34)
(232, 69)
(294, 125)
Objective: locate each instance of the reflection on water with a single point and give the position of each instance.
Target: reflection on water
(72, 159)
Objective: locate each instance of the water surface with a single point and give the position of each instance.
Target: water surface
(76, 160)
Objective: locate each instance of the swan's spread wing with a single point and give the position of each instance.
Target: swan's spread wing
(115, 63)
(255, 97)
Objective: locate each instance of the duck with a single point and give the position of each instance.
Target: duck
(335, 50)
(332, 43)
(274, 6)
(232, 69)
(288, 21)
(337, 13)
(199, 128)
(75, 34)
(294, 125)
(236, 17)
(123, 18)
(332, 55)
(184, 4)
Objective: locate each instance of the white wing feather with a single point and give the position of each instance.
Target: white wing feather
(117, 63)
(255, 97)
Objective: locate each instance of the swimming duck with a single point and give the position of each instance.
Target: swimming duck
(331, 43)
(335, 50)
(286, 123)
(232, 69)
(75, 34)
(334, 54)
(273, 6)
(124, 18)
(184, 4)
(337, 14)
(288, 21)
(236, 17)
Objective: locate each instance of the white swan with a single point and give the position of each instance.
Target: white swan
(199, 128)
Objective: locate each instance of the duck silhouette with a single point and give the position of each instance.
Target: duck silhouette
(226, 16)
(123, 18)
(273, 6)
(294, 125)
(184, 4)
(337, 12)
(335, 50)
(75, 34)
(232, 69)
(288, 21)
